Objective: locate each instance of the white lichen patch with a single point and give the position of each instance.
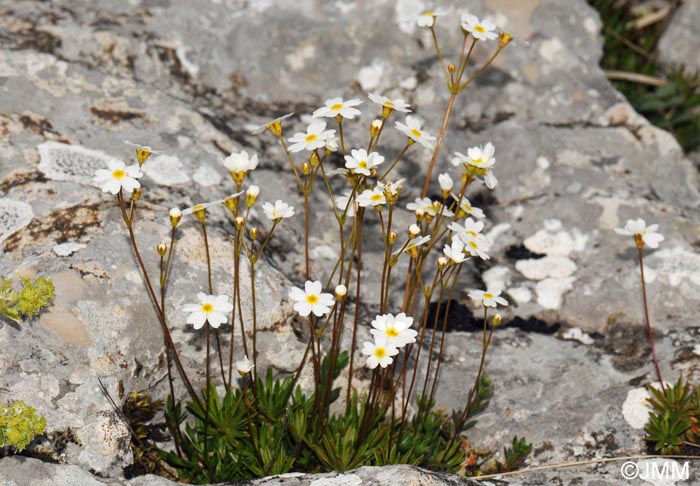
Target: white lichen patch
(549, 266)
(297, 59)
(67, 249)
(370, 76)
(576, 334)
(14, 215)
(497, 278)
(551, 240)
(71, 163)
(521, 295)
(635, 408)
(675, 266)
(340, 480)
(550, 291)
(207, 176)
(166, 170)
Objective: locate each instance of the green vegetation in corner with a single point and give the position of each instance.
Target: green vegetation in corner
(19, 424)
(668, 96)
(34, 296)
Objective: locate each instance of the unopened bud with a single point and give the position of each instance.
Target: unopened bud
(251, 195)
(232, 204)
(496, 320)
(504, 39)
(442, 262)
(239, 222)
(451, 68)
(413, 231)
(420, 214)
(306, 168)
(175, 216)
(253, 232)
(142, 153)
(314, 159)
(374, 128)
(161, 248)
(200, 212)
(393, 236)
(340, 291)
(276, 128)
(136, 194)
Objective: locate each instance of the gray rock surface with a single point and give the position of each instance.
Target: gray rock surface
(189, 78)
(680, 43)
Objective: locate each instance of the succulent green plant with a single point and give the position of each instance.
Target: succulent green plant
(35, 294)
(19, 424)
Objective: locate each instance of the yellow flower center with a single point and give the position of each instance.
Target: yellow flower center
(337, 107)
(377, 197)
(392, 332)
(416, 133)
(390, 104)
(312, 299)
(479, 28)
(488, 296)
(119, 174)
(428, 13)
(480, 160)
(379, 352)
(473, 233)
(474, 245)
(362, 164)
(207, 308)
(198, 207)
(311, 138)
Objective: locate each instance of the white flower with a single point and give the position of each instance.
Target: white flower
(446, 182)
(490, 179)
(211, 308)
(395, 329)
(430, 207)
(379, 353)
(332, 143)
(336, 106)
(639, 229)
(397, 104)
(427, 19)
(469, 229)
(266, 126)
(341, 202)
(488, 298)
(414, 243)
(240, 162)
(315, 137)
(144, 148)
(481, 157)
(482, 30)
(360, 162)
(478, 246)
(455, 251)
(413, 131)
(118, 176)
(311, 299)
(244, 366)
(371, 197)
(466, 209)
(279, 211)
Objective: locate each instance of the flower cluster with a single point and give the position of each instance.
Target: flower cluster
(391, 333)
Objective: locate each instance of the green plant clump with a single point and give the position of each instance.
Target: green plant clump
(674, 421)
(19, 424)
(36, 293)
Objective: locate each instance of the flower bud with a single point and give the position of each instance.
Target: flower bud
(504, 39)
(175, 216)
(232, 204)
(340, 291)
(442, 263)
(251, 195)
(374, 128)
(142, 153)
(496, 320)
(239, 222)
(313, 159)
(162, 248)
(276, 128)
(413, 231)
(253, 232)
(451, 68)
(136, 194)
(306, 168)
(393, 236)
(200, 212)
(446, 184)
(420, 214)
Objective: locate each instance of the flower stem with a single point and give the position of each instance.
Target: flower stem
(640, 253)
(438, 143)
